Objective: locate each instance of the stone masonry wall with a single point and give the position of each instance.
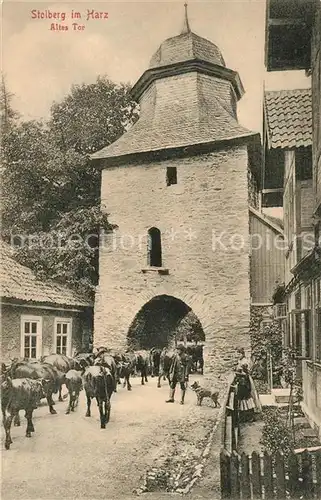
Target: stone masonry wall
(211, 275)
(253, 190)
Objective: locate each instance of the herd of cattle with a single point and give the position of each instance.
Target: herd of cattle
(25, 382)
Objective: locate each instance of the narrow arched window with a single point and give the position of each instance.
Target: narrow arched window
(154, 255)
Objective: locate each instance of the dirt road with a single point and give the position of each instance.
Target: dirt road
(70, 457)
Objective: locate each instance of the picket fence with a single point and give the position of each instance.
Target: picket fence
(271, 477)
(264, 476)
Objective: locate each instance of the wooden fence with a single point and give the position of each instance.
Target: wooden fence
(271, 477)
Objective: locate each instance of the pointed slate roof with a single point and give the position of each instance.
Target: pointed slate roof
(203, 110)
(185, 47)
(20, 283)
(214, 123)
(288, 117)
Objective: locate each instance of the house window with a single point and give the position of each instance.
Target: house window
(285, 327)
(154, 257)
(272, 197)
(308, 337)
(318, 336)
(297, 299)
(302, 332)
(308, 301)
(303, 163)
(274, 168)
(63, 336)
(31, 337)
(318, 319)
(318, 293)
(171, 176)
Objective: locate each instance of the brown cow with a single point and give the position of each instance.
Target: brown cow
(73, 383)
(107, 360)
(99, 384)
(21, 394)
(142, 364)
(37, 370)
(63, 364)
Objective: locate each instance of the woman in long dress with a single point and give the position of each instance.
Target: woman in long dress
(246, 393)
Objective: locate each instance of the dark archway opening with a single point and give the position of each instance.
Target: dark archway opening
(162, 321)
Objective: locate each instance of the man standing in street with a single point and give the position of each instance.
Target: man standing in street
(178, 372)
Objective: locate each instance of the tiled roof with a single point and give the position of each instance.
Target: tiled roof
(288, 115)
(20, 283)
(185, 47)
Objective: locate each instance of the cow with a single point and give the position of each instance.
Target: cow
(21, 394)
(155, 354)
(196, 354)
(62, 363)
(164, 364)
(126, 364)
(107, 360)
(116, 355)
(125, 370)
(83, 360)
(36, 370)
(142, 364)
(73, 381)
(5, 390)
(99, 384)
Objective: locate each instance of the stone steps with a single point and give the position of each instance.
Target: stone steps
(281, 395)
(310, 433)
(302, 422)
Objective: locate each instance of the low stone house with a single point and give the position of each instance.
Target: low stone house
(37, 317)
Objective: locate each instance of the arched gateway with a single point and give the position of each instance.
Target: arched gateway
(163, 321)
(176, 184)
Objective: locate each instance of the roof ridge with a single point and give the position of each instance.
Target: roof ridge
(301, 89)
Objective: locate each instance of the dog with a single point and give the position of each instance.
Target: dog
(202, 393)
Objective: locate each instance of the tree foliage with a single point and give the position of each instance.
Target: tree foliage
(50, 186)
(7, 113)
(92, 116)
(190, 328)
(276, 435)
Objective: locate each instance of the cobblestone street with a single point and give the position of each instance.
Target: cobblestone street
(70, 457)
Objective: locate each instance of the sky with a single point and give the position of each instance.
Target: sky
(41, 64)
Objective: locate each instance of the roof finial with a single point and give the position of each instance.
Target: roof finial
(186, 28)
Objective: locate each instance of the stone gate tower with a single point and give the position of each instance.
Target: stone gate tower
(176, 184)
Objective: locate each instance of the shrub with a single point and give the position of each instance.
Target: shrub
(263, 341)
(276, 436)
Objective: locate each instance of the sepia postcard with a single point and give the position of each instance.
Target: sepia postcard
(160, 250)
